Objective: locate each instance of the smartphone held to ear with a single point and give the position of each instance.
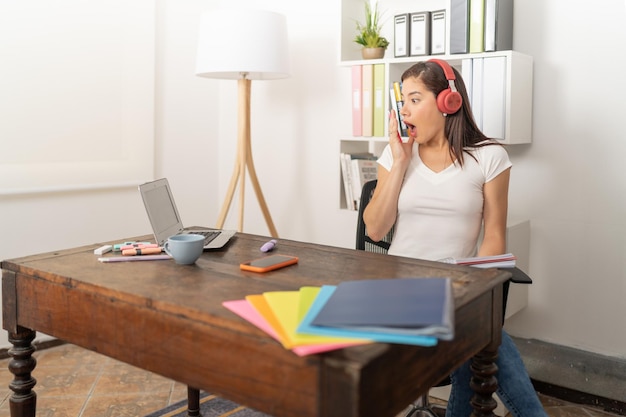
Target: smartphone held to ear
(269, 263)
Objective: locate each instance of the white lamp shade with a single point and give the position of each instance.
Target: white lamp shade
(234, 43)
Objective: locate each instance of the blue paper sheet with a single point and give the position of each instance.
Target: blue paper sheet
(326, 291)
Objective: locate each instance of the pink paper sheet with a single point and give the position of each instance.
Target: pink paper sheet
(244, 310)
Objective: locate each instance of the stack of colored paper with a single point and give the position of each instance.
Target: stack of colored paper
(416, 311)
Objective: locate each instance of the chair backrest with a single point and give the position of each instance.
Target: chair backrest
(363, 241)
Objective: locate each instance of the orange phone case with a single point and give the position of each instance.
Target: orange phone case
(269, 263)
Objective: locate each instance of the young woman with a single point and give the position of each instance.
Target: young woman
(441, 188)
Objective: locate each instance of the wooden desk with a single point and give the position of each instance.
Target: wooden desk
(168, 319)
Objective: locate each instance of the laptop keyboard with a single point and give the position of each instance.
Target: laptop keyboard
(209, 235)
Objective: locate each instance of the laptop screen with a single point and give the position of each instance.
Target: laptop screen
(161, 209)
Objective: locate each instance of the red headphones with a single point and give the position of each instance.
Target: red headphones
(449, 101)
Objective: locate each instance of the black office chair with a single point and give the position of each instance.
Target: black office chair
(421, 407)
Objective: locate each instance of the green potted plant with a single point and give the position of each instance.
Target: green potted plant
(374, 44)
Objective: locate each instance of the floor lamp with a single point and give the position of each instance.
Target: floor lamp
(244, 45)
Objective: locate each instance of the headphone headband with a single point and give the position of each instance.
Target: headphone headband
(447, 69)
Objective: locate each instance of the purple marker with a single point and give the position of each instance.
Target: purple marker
(268, 246)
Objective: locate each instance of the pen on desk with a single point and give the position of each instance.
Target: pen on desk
(141, 251)
(139, 246)
(134, 258)
(268, 246)
(118, 246)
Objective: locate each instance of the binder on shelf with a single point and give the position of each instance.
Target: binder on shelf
(367, 99)
(477, 26)
(419, 32)
(459, 26)
(477, 91)
(438, 32)
(466, 73)
(401, 35)
(498, 25)
(378, 117)
(494, 97)
(357, 128)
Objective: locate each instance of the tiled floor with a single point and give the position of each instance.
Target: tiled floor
(73, 382)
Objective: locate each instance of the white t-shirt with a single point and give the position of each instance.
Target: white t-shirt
(440, 214)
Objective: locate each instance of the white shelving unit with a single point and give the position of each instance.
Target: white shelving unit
(512, 83)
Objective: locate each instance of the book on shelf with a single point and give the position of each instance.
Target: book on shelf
(357, 123)
(367, 99)
(346, 173)
(384, 308)
(378, 115)
(363, 170)
(356, 168)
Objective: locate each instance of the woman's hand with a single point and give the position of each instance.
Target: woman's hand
(401, 151)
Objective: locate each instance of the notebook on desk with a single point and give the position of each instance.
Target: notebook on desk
(159, 202)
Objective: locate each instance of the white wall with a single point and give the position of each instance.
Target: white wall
(570, 182)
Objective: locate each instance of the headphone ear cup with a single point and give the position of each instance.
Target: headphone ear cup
(449, 101)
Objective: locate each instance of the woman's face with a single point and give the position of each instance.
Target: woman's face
(421, 115)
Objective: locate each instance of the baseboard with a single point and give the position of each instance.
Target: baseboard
(578, 397)
(575, 375)
(45, 344)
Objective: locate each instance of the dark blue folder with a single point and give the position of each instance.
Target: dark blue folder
(411, 306)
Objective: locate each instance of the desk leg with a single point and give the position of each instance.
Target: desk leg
(484, 382)
(193, 402)
(23, 401)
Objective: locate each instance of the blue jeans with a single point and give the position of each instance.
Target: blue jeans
(515, 389)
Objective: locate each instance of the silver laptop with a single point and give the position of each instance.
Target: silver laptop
(159, 202)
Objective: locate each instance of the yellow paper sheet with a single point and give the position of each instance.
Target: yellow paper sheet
(288, 307)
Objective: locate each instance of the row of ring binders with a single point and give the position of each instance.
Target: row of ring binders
(420, 33)
(475, 26)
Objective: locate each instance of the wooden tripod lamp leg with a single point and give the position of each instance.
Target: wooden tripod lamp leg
(259, 194)
(229, 196)
(243, 159)
(243, 141)
(239, 173)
